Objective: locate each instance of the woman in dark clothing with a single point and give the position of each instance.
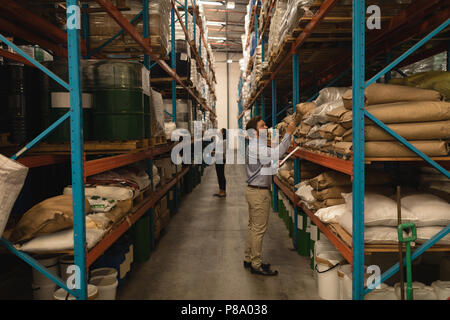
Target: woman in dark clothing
(220, 167)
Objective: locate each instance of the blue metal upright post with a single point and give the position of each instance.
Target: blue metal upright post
(274, 124)
(358, 147)
(173, 65)
(76, 143)
(295, 101)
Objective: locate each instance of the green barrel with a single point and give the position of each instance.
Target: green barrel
(110, 74)
(118, 114)
(141, 239)
(147, 123)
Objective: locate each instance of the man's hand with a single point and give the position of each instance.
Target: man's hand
(291, 128)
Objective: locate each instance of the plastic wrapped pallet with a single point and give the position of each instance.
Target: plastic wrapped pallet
(157, 113)
(102, 27)
(12, 178)
(330, 94)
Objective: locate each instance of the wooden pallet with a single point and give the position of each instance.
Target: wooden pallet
(156, 141)
(95, 147)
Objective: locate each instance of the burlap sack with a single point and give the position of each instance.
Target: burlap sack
(331, 193)
(331, 130)
(305, 108)
(119, 211)
(344, 148)
(284, 174)
(380, 149)
(304, 129)
(51, 215)
(330, 179)
(410, 131)
(327, 203)
(380, 93)
(335, 114)
(415, 111)
(346, 120)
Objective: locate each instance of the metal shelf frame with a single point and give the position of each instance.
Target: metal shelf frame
(356, 166)
(80, 168)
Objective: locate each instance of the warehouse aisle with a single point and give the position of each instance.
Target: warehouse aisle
(200, 256)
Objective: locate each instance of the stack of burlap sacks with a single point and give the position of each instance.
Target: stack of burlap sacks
(325, 189)
(308, 170)
(275, 25)
(418, 115)
(315, 130)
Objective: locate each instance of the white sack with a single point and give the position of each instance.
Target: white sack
(304, 192)
(331, 214)
(59, 241)
(426, 233)
(380, 210)
(12, 178)
(429, 209)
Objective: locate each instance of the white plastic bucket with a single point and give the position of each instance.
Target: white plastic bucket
(104, 272)
(319, 247)
(345, 282)
(107, 287)
(326, 267)
(384, 293)
(442, 289)
(43, 291)
(62, 294)
(51, 263)
(64, 262)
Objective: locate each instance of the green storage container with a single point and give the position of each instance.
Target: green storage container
(147, 119)
(141, 239)
(303, 243)
(118, 114)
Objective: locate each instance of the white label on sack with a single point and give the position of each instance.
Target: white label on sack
(146, 81)
(62, 100)
(183, 57)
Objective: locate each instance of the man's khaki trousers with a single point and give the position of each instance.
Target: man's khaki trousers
(258, 217)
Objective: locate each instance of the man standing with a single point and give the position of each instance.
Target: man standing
(259, 179)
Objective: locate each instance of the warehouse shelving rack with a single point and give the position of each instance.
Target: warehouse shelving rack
(80, 167)
(438, 23)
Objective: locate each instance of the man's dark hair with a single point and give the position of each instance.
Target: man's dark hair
(251, 124)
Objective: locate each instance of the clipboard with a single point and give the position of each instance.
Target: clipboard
(288, 156)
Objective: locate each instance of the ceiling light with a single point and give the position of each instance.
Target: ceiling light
(211, 3)
(229, 61)
(215, 23)
(230, 5)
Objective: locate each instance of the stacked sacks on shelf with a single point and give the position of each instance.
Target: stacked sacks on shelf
(428, 212)
(275, 27)
(315, 131)
(418, 115)
(308, 170)
(434, 80)
(295, 10)
(325, 190)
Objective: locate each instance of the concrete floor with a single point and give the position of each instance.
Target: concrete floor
(200, 256)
